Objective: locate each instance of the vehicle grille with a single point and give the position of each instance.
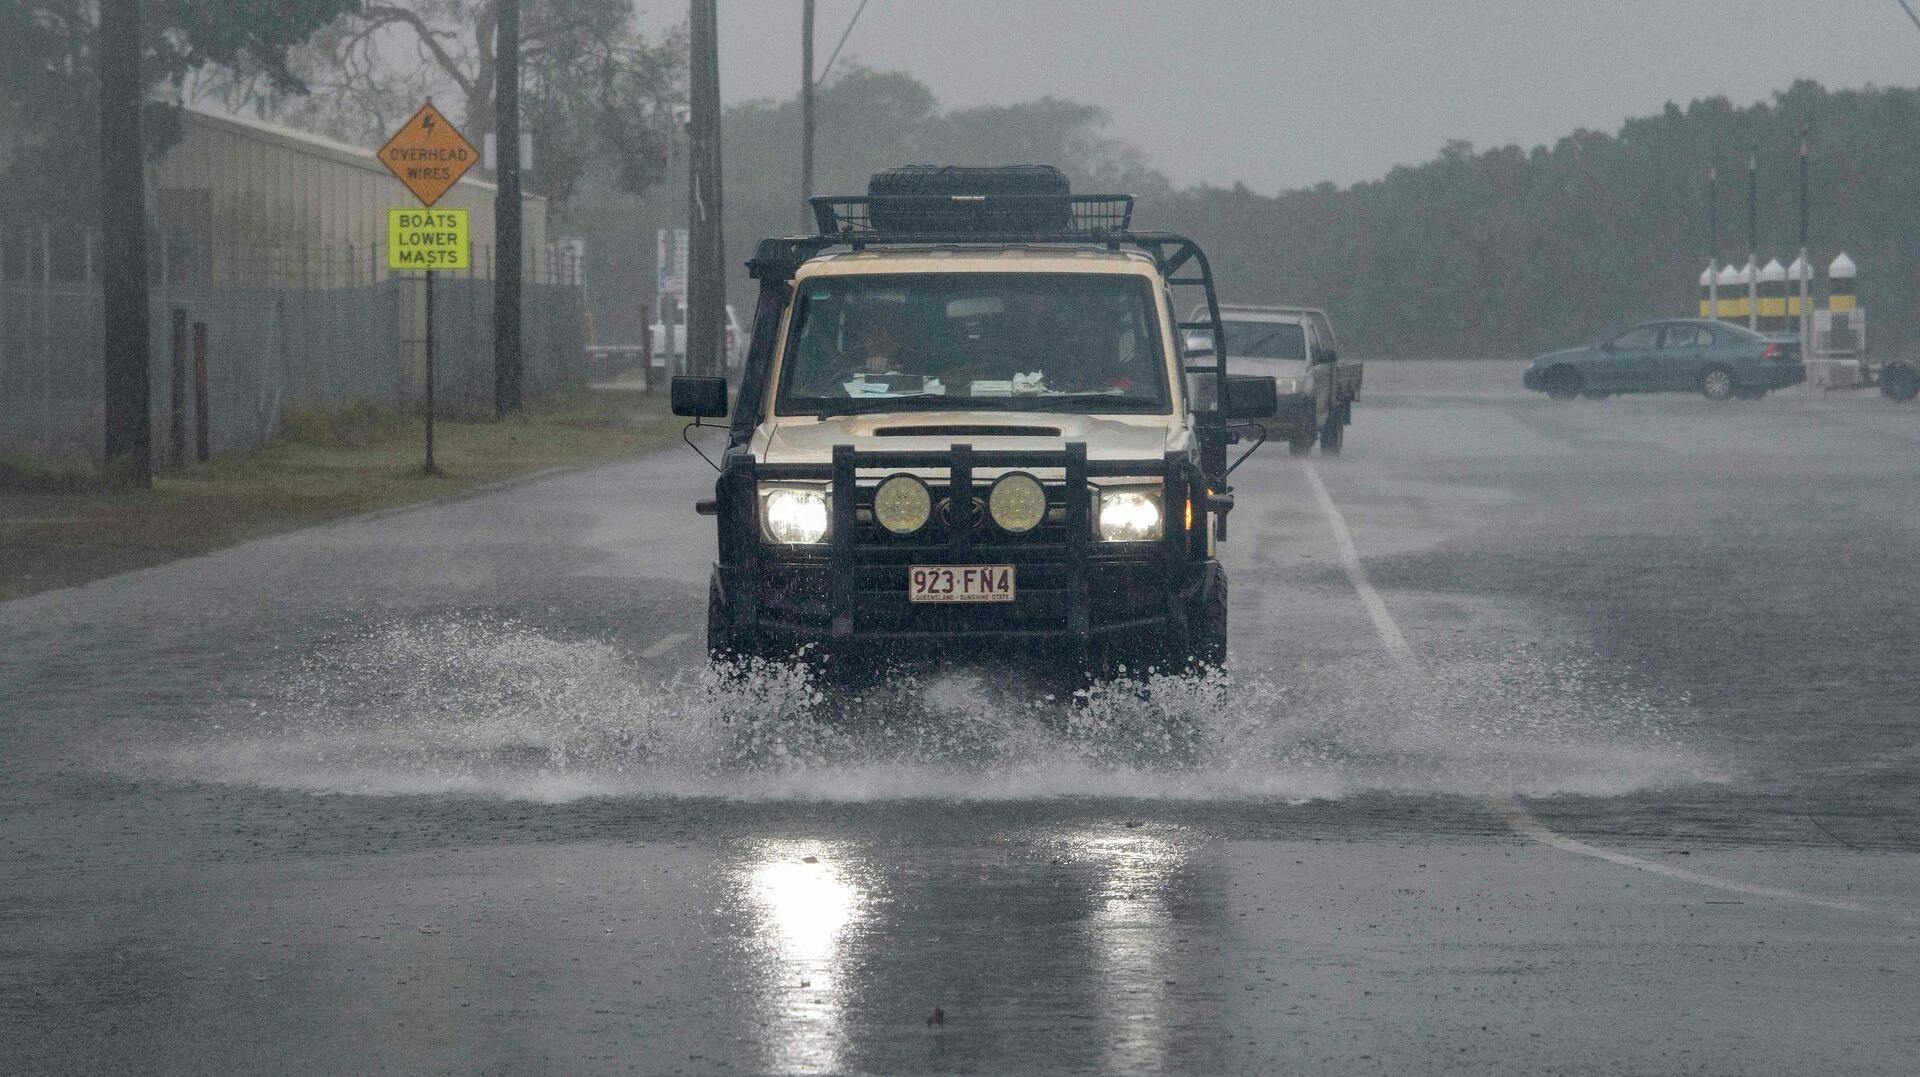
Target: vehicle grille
(1062, 580)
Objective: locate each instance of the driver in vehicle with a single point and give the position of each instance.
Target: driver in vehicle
(866, 346)
(880, 346)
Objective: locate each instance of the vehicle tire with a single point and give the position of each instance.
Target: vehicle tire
(1300, 446)
(926, 198)
(724, 644)
(1898, 381)
(1207, 626)
(1333, 436)
(1716, 383)
(1202, 646)
(1564, 383)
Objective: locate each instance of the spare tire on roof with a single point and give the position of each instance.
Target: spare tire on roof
(922, 198)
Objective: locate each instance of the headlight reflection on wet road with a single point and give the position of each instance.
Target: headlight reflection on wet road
(808, 904)
(1130, 933)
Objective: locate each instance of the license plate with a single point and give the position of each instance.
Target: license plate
(960, 583)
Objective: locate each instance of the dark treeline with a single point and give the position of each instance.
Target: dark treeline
(1494, 253)
(867, 121)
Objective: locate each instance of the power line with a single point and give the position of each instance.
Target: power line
(1908, 8)
(849, 30)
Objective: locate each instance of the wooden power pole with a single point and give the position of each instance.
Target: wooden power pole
(507, 363)
(123, 226)
(806, 114)
(706, 255)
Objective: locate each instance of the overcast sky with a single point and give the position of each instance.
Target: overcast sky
(1282, 94)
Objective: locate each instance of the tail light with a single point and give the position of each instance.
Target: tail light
(729, 338)
(1773, 351)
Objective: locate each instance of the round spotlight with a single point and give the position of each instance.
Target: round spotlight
(1017, 502)
(902, 504)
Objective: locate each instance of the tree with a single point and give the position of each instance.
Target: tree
(594, 92)
(868, 120)
(49, 74)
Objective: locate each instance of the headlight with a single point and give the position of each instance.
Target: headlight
(902, 504)
(1288, 385)
(793, 515)
(1129, 515)
(1017, 502)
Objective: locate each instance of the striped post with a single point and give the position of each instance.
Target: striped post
(1846, 335)
(1799, 278)
(1842, 283)
(1750, 276)
(1729, 288)
(1773, 297)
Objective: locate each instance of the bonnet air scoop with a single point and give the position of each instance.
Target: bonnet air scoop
(961, 430)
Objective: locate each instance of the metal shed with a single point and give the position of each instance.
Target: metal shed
(243, 200)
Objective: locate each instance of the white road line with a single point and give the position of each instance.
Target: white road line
(1517, 817)
(1389, 632)
(1523, 822)
(664, 644)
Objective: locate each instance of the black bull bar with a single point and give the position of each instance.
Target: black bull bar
(1071, 547)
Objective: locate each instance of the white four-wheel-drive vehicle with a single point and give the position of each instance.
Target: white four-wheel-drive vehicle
(966, 416)
(670, 341)
(1295, 346)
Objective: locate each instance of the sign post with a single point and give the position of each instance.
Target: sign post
(428, 155)
(426, 240)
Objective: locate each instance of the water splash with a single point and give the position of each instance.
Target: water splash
(498, 708)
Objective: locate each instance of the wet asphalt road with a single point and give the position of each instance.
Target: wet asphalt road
(449, 790)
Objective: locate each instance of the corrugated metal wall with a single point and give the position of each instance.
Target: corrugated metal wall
(276, 240)
(244, 192)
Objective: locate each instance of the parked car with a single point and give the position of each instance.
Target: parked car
(1719, 360)
(1295, 346)
(734, 341)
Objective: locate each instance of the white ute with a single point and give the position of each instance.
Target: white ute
(1295, 346)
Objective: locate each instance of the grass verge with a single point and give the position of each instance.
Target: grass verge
(62, 524)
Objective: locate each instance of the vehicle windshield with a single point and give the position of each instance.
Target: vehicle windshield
(1265, 340)
(994, 341)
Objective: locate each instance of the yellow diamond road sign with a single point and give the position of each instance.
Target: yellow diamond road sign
(428, 155)
(428, 239)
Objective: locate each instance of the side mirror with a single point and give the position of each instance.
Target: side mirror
(1249, 396)
(700, 398)
(1329, 356)
(1197, 345)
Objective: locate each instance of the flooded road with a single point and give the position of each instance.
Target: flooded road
(1595, 751)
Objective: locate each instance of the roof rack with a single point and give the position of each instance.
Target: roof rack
(988, 216)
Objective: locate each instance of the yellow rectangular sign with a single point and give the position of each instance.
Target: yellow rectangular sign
(428, 239)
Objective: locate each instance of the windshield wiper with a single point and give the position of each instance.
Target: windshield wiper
(1098, 402)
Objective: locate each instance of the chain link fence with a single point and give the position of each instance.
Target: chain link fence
(320, 328)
